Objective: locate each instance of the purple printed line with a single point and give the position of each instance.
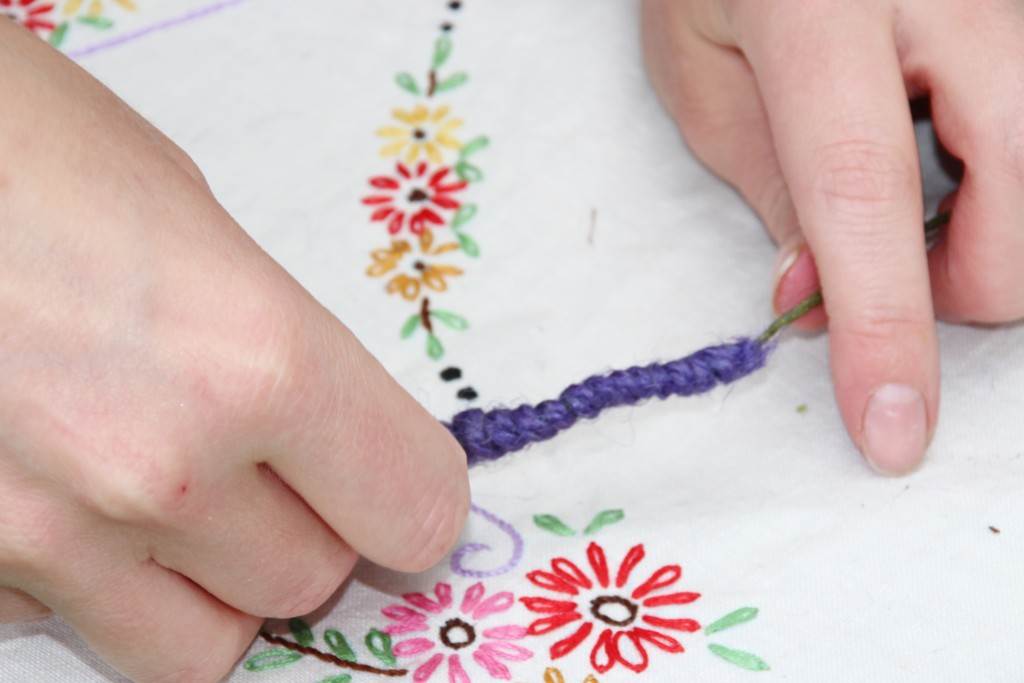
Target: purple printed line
(459, 556)
(154, 28)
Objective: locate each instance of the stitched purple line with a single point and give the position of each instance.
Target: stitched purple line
(459, 556)
(153, 28)
(492, 434)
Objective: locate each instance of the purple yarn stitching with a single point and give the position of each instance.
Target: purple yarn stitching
(458, 557)
(490, 435)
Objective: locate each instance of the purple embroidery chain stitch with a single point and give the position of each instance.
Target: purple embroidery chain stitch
(459, 556)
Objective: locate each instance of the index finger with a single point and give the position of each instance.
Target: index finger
(832, 83)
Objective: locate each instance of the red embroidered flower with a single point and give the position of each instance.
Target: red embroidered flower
(413, 198)
(32, 14)
(624, 616)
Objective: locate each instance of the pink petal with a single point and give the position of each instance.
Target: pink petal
(407, 626)
(497, 603)
(423, 602)
(427, 668)
(509, 651)
(402, 613)
(456, 674)
(510, 632)
(472, 598)
(413, 646)
(443, 591)
(495, 668)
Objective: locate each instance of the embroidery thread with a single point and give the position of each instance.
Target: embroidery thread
(458, 561)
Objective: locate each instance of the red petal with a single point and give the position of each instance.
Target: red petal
(687, 625)
(437, 176)
(599, 563)
(638, 666)
(377, 199)
(384, 183)
(632, 559)
(454, 187)
(605, 645)
(547, 605)
(444, 201)
(421, 168)
(431, 216)
(382, 213)
(567, 645)
(402, 170)
(663, 578)
(552, 623)
(395, 224)
(569, 572)
(34, 24)
(659, 640)
(42, 9)
(671, 599)
(416, 223)
(550, 582)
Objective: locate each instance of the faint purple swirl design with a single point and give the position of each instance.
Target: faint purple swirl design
(463, 552)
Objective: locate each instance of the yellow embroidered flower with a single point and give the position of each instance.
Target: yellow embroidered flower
(95, 7)
(422, 132)
(553, 675)
(408, 285)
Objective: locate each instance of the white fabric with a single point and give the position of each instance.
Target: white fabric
(857, 577)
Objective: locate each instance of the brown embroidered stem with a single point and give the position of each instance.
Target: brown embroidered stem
(329, 658)
(431, 83)
(425, 315)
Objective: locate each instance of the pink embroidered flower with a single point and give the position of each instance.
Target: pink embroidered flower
(625, 616)
(449, 634)
(415, 197)
(32, 14)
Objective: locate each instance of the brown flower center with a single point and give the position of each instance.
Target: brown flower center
(418, 195)
(419, 133)
(457, 634)
(613, 610)
(419, 265)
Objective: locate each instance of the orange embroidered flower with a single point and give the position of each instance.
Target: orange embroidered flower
(422, 274)
(626, 618)
(553, 675)
(421, 132)
(413, 197)
(32, 14)
(93, 8)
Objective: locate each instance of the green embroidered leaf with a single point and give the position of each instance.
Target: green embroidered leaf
(379, 645)
(274, 658)
(452, 82)
(553, 524)
(442, 50)
(339, 645)
(96, 22)
(435, 349)
(474, 146)
(301, 631)
(410, 325)
(464, 215)
(603, 519)
(744, 660)
(407, 83)
(740, 616)
(343, 678)
(452, 320)
(468, 244)
(468, 172)
(58, 34)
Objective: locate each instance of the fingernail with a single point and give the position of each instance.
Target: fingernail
(895, 429)
(788, 254)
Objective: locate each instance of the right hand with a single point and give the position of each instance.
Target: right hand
(188, 442)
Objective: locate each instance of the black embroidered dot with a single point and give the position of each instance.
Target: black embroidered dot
(447, 26)
(454, 5)
(467, 393)
(451, 374)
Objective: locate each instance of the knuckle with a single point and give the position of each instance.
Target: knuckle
(143, 487)
(303, 594)
(858, 181)
(881, 325)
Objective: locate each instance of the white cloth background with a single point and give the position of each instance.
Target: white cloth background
(857, 577)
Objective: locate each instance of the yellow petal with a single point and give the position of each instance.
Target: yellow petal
(447, 270)
(127, 4)
(553, 675)
(433, 153)
(450, 125)
(413, 154)
(445, 248)
(95, 8)
(448, 141)
(72, 7)
(590, 679)
(440, 113)
(426, 240)
(392, 148)
(420, 114)
(394, 132)
(403, 116)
